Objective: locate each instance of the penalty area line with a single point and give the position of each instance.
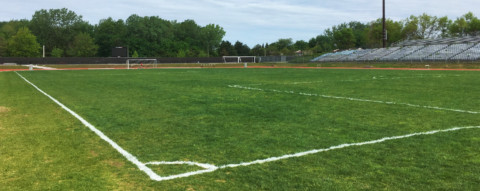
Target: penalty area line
(211, 168)
(315, 151)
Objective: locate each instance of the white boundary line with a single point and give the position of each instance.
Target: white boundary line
(272, 159)
(353, 99)
(122, 151)
(211, 168)
(358, 80)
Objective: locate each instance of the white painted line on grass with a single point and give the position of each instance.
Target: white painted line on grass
(354, 99)
(122, 151)
(373, 78)
(272, 159)
(212, 168)
(209, 167)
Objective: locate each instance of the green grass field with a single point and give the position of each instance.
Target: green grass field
(227, 117)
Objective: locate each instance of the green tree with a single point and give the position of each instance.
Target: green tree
(3, 46)
(181, 54)
(281, 47)
(23, 44)
(344, 38)
(358, 30)
(258, 50)
(212, 37)
(109, 34)
(8, 29)
(374, 33)
(301, 45)
(188, 33)
(323, 43)
(242, 49)
(57, 52)
(135, 54)
(468, 24)
(226, 49)
(58, 27)
(151, 36)
(82, 46)
(425, 27)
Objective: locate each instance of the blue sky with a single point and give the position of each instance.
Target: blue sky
(249, 21)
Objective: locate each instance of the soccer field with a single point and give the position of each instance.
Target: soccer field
(240, 129)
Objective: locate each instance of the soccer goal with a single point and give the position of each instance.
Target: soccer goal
(239, 59)
(141, 63)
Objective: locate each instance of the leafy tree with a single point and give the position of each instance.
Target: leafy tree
(324, 43)
(58, 27)
(358, 30)
(425, 27)
(312, 43)
(82, 46)
(188, 33)
(468, 24)
(226, 49)
(374, 33)
(284, 43)
(281, 47)
(258, 50)
(135, 54)
(23, 44)
(57, 52)
(301, 45)
(212, 36)
(3, 46)
(8, 29)
(108, 34)
(242, 49)
(151, 36)
(181, 54)
(344, 38)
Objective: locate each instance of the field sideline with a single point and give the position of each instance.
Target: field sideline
(260, 129)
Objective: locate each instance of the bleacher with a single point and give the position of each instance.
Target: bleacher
(424, 52)
(379, 53)
(331, 57)
(472, 53)
(403, 52)
(449, 49)
(449, 52)
(357, 54)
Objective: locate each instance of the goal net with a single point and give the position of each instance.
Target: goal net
(239, 59)
(141, 63)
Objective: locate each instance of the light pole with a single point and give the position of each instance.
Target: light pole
(384, 31)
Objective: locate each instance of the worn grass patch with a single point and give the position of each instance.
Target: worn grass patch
(4, 109)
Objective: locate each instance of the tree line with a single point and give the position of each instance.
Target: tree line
(66, 34)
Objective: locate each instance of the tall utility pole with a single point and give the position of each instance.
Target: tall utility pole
(384, 28)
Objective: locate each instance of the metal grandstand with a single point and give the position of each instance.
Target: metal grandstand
(447, 49)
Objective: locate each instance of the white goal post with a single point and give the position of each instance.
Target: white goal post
(239, 59)
(141, 63)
